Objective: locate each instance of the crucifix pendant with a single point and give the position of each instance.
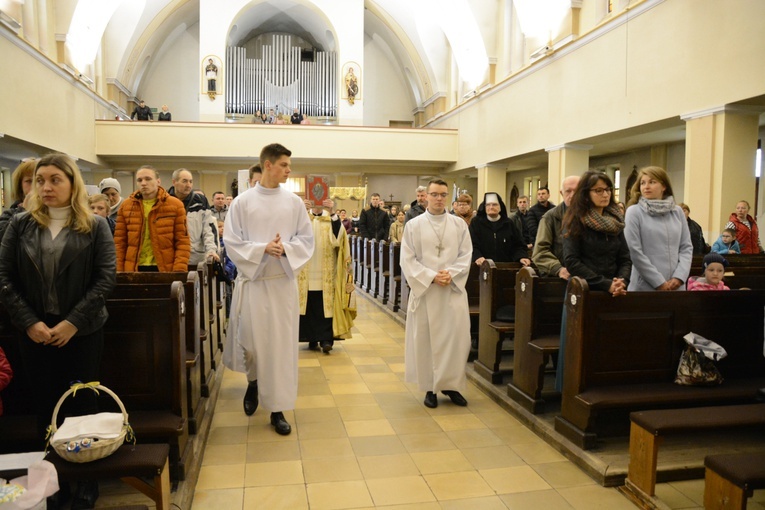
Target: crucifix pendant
(439, 248)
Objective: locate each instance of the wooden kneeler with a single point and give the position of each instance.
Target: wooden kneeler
(131, 464)
(731, 478)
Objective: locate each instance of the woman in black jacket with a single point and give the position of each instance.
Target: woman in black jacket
(57, 267)
(594, 247)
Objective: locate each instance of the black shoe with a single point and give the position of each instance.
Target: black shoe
(280, 424)
(86, 495)
(251, 398)
(326, 347)
(313, 346)
(431, 400)
(457, 398)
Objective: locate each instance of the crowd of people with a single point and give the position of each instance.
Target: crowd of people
(61, 250)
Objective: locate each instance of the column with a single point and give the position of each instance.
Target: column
(563, 161)
(720, 149)
(29, 23)
(491, 178)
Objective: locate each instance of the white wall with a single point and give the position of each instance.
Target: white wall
(400, 186)
(173, 80)
(386, 94)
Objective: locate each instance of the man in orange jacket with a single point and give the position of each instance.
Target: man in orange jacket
(151, 232)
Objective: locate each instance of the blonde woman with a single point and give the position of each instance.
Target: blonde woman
(657, 234)
(57, 267)
(21, 185)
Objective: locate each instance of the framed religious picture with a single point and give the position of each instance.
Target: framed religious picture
(351, 87)
(316, 189)
(212, 76)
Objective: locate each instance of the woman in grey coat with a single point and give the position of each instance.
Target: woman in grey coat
(657, 234)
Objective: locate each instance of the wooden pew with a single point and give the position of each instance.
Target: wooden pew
(394, 280)
(373, 261)
(215, 319)
(731, 479)
(404, 296)
(622, 354)
(357, 253)
(473, 290)
(205, 332)
(538, 310)
(156, 285)
(497, 290)
(18, 425)
(648, 428)
(148, 336)
(383, 272)
(366, 268)
(144, 363)
(734, 261)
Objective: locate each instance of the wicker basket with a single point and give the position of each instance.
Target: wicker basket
(88, 447)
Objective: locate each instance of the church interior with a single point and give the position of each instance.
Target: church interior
(503, 96)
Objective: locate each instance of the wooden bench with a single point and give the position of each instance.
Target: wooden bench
(404, 296)
(208, 284)
(497, 294)
(156, 286)
(730, 480)
(374, 267)
(18, 425)
(648, 428)
(383, 272)
(144, 363)
(538, 310)
(369, 254)
(622, 354)
(133, 464)
(357, 256)
(394, 281)
(473, 290)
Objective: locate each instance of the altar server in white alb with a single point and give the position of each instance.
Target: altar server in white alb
(269, 239)
(435, 258)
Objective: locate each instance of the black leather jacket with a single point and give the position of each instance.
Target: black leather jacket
(86, 275)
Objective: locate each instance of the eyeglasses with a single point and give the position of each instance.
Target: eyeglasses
(438, 195)
(602, 191)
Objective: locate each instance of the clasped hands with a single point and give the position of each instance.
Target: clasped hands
(671, 284)
(57, 336)
(618, 288)
(275, 247)
(442, 278)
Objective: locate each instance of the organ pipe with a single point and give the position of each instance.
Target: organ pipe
(281, 80)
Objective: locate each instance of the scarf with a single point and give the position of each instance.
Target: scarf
(657, 207)
(610, 222)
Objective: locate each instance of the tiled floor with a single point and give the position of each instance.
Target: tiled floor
(363, 439)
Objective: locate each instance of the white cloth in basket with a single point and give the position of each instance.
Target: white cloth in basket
(93, 426)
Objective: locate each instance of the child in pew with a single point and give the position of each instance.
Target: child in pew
(714, 269)
(6, 374)
(727, 243)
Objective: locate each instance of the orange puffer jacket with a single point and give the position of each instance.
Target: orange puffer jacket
(167, 230)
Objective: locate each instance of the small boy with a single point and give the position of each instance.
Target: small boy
(714, 269)
(99, 204)
(727, 243)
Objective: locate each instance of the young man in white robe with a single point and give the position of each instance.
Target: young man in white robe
(269, 239)
(435, 257)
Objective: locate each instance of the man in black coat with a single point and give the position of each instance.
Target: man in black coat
(374, 222)
(495, 236)
(142, 112)
(538, 210)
